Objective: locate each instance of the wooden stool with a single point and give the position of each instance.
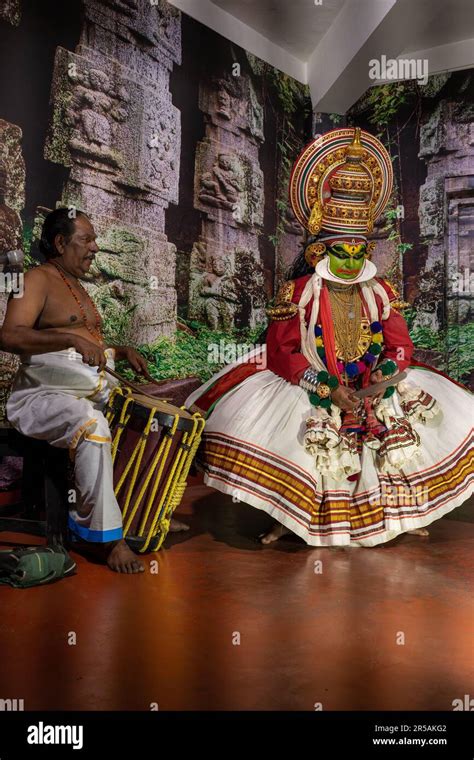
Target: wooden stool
(44, 488)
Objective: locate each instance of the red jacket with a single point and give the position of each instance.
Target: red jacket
(284, 355)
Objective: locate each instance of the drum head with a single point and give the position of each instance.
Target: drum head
(160, 406)
(165, 413)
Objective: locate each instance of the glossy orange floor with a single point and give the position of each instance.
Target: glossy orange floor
(306, 637)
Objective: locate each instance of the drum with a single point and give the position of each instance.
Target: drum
(153, 445)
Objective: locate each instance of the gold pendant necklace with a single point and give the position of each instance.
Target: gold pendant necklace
(346, 309)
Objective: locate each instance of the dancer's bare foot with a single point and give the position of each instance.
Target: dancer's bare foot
(122, 560)
(176, 526)
(277, 532)
(418, 532)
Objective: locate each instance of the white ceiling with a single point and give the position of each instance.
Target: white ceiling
(295, 25)
(448, 21)
(329, 45)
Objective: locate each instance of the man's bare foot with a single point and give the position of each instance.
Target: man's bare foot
(176, 526)
(277, 532)
(122, 560)
(418, 532)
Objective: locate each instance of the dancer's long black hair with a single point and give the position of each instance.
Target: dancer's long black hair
(298, 268)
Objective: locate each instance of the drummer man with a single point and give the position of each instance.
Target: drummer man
(61, 388)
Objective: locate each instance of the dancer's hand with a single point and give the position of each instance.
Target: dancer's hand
(376, 377)
(344, 398)
(91, 353)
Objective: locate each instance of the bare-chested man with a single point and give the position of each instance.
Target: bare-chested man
(61, 387)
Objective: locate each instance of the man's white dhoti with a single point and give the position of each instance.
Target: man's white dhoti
(59, 399)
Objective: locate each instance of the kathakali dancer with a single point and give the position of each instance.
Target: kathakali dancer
(285, 432)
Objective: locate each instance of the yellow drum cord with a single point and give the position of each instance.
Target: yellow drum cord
(174, 488)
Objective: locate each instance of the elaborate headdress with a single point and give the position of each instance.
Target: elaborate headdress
(340, 184)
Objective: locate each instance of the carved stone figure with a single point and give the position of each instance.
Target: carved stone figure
(228, 91)
(222, 186)
(162, 144)
(219, 291)
(224, 103)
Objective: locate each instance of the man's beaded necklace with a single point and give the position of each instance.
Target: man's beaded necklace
(94, 331)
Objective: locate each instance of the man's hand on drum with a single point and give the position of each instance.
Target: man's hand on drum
(91, 353)
(136, 360)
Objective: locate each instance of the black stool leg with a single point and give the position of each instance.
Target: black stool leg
(32, 494)
(55, 496)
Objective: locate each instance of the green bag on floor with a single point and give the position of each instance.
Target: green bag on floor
(34, 566)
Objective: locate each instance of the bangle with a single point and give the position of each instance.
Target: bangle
(319, 386)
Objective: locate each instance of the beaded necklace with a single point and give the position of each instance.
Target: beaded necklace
(352, 356)
(95, 332)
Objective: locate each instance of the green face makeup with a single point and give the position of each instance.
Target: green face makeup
(345, 265)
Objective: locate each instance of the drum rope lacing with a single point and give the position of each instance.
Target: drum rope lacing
(176, 481)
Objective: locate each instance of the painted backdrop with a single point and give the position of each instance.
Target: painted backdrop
(179, 144)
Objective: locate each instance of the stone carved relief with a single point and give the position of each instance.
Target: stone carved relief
(153, 25)
(227, 93)
(197, 266)
(199, 256)
(459, 259)
(218, 293)
(121, 255)
(91, 103)
(162, 145)
(104, 112)
(128, 255)
(256, 199)
(223, 185)
(214, 289)
(448, 152)
(229, 181)
(114, 125)
(229, 190)
(232, 104)
(227, 289)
